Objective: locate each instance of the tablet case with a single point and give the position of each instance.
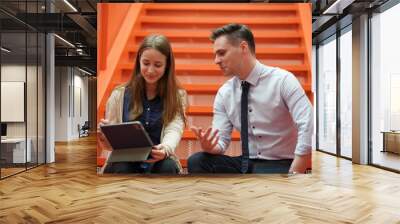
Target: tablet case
(130, 142)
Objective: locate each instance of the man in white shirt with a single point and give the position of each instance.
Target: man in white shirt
(276, 125)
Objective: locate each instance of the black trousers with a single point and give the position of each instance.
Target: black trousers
(166, 166)
(203, 162)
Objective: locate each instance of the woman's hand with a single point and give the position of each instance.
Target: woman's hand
(157, 153)
(103, 146)
(101, 139)
(103, 122)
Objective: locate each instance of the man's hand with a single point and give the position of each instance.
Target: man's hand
(300, 164)
(157, 153)
(208, 139)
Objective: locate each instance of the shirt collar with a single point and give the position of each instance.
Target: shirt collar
(254, 75)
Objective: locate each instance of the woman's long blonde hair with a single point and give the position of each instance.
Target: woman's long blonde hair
(167, 86)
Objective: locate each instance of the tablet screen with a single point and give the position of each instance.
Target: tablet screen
(127, 135)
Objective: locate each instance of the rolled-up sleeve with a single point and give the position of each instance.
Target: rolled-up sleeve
(301, 111)
(221, 122)
(113, 106)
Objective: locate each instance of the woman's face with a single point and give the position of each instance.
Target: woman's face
(152, 65)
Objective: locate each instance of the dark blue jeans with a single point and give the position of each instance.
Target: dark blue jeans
(166, 166)
(203, 162)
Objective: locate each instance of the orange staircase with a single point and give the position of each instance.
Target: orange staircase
(282, 34)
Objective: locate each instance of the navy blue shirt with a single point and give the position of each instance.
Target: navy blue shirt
(151, 118)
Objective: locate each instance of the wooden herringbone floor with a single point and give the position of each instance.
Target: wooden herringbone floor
(69, 191)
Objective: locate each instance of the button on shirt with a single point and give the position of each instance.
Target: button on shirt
(280, 115)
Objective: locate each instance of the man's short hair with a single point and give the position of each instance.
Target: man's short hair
(235, 33)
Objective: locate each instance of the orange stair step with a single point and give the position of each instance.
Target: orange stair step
(206, 34)
(199, 110)
(183, 162)
(224, 7)
(189, 135)
(100, 161)
(212, 67)
(209, 51)
(218, 20)
(201, 88)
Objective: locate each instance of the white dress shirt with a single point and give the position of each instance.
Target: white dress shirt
(280, 115)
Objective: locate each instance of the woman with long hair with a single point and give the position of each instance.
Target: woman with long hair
(153, 97)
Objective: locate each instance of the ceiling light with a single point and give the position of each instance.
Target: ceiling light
(5, 50)
(65, 41)
(70, 5)
(84, 71)
(337, 7)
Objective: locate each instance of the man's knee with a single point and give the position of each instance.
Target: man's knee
(166, 166)
(197, 162)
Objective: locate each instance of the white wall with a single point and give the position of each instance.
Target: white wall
(12, 73)
(34, 125)
(61, 103)
(71, 93)
(81, 103)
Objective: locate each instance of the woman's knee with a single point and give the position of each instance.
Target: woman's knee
(121, 167)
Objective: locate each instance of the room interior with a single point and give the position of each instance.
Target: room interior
(53, 57)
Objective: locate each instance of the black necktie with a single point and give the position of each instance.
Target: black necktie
(244, 135)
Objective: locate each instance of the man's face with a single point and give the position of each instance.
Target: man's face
(227, 56)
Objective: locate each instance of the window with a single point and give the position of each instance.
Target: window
(346, 93)
(327, 96)
(22, 65)
(385, 86)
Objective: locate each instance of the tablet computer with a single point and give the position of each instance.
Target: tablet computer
(130, 141)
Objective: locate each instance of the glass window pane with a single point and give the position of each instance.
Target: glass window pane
(31, 96)
(22, 71)
(385, 89)
(41, 98)
(14, 150)
(346, 94)
(327, 96)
